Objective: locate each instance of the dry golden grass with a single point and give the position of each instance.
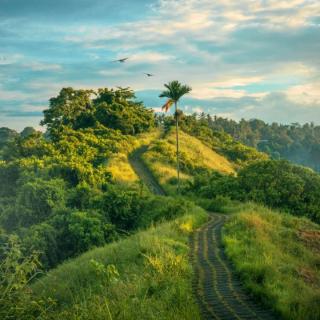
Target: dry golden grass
(192, 150)
(201, 154)
(118, 165)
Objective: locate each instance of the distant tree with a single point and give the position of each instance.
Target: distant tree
(27, 131)
(7, 135)
(174, 91)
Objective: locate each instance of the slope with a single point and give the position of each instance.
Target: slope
(195, 156)
(146, 276)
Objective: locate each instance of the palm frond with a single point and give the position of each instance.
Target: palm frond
(175, 90)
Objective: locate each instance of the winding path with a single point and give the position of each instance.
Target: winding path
(218, 291)
(143, 171)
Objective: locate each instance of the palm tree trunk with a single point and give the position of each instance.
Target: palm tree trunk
(177, 143)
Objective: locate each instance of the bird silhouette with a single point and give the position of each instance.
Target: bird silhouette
(149, 74)
(121, 60)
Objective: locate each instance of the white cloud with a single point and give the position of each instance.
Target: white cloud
(39, 66)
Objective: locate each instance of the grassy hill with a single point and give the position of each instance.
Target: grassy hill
(118, 164)
(74, 203)
(195, 157)
(146, 276)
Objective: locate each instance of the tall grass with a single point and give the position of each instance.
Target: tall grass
(146, 276)
(194, 156)
(118, 164)
(278, 258)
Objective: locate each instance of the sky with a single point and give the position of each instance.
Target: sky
(243, 59)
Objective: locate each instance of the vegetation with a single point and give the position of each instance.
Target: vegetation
(16, 272)
(277, 184)
(219, 141)
(68, 191)
(277, 257)
(195, 157)
(115, 109)
(295, 142)
(146, 276)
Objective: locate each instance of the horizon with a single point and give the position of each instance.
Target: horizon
(242, 60)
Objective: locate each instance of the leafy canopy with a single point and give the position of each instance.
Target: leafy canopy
(112, 108)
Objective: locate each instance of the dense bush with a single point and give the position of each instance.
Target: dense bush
(280, 184)
(277, 184)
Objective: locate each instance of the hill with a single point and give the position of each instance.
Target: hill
(195, 157)
(74, 203)
(145, 276)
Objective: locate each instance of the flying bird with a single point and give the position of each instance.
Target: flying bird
(149, 74)
(121, 60)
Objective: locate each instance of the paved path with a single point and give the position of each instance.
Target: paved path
(217, 290)
(143, 171)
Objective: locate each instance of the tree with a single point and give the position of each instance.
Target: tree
(175, 90)
(27, 131)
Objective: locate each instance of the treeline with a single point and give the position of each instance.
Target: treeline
(297, 143)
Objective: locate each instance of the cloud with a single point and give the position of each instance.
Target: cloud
(38, 66)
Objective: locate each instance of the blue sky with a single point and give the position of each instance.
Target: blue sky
(243, 59)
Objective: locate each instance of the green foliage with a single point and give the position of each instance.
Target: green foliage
(38, 198)
(277, 184)
(7, 135)
(116, 109)
(130, 279)
(175, 90)
(79, 231)
(123, 208)
(41, 238)
(280, 184)
(277, 257)
(295, 142)
(215, 184)
(16, 272)
(28, 131)
(201, 127)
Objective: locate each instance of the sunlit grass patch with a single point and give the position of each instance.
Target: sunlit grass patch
(276, 260)
(194, 156)
(118, 164)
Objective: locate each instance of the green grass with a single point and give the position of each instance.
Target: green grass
(146, 276)
(118, 164)
(278, 258)
(194, 155)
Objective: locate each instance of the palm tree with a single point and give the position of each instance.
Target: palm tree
(174, 91)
